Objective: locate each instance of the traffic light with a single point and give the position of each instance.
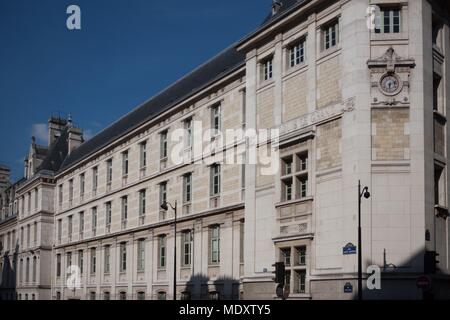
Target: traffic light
(430, 262)
(280, 273)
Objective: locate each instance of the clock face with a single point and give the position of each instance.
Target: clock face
(390, 84)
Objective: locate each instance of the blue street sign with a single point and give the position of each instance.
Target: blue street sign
(349, 249)
(348, 288)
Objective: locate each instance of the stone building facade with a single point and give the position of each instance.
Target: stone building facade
(351, 102)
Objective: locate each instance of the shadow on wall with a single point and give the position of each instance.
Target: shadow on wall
(399, 282)
(8, 275)
(200, 287)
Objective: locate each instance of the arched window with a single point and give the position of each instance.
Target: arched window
(122, 295)
(214, 295)
(186, 295)
(162, 295)
(106, 295)
(141, 295)
(27, 272)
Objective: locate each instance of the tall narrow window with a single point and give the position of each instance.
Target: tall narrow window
(107, 259)
(27, 270)
(34, 269)
(188, 133)
(108, 216)
(187, 248)
(143, 155)
(216, 119)
(93, 261)
(81, 222)
(59, 229)
(142, 205)
(163, 146)
(35, 234)
(70, 192)
(28, 235)
(36, 199)
(267, 69)
(125, 163)
(124, 212)
(241, 241)
(109, 171)
(215, 179)
(162, 252)
(141, 255)
(162, 193)
(81, 261)
(297, 54)
(69, 259)
(70, 227)
(94, 221)
(187, 188)
(58, 265)
(82, 185)
(330, 34)
(123, 257)
(94, 180)
(214, 245)
(60, 195)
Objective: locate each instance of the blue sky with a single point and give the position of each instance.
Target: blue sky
(126, 51)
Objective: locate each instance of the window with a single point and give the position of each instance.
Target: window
(71, 191)
(94, 221)
(69, 227)
(36, 199)
(107, 259)
(58, 265)
(58, 295)
(81, 261)
(301, 281)
(21, 271)
(28, 235)
(241, 241)
(297, 54)
(142, 204)
(302, 187)
(125, 163)
(123, 295)
(34, 268)
(162, 295)
(185, 296)
(59, 229)
(29, 202)
(162, 193)
(287, 189)
(82, 185)
(94, 179)
(93, 261)
(216, 121)
(123, 257)
(124, 212)
(214, 244)
(267, 69)
(287, 166)
(301, 252)
(143, 155)
(214, 295)
(35, 233)
(141, 295)
(162, 252)
(389, 21)
(188, 133)
(81, 222)
(330, 34)
(186, 248)
(109, 171)
(106, 296)
(92, 296)
(163, 146)
(68, 259)
(108, 216)
(215, 180)
(187, 188)
(286, 256)
(141, 255)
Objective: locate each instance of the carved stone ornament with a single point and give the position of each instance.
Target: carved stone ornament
(390, 79)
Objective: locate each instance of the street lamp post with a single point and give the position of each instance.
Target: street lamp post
(366, 194)
(165, 206)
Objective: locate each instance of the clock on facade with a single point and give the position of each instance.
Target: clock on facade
(390, 84)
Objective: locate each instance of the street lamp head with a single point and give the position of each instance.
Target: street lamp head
(366, 193)
(164, 206)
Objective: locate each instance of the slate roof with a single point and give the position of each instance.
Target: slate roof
(224, 63)
(56, 153)
(41, 151)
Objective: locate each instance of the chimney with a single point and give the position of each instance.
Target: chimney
(75, 139)
(276, 6)
(55, 127)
